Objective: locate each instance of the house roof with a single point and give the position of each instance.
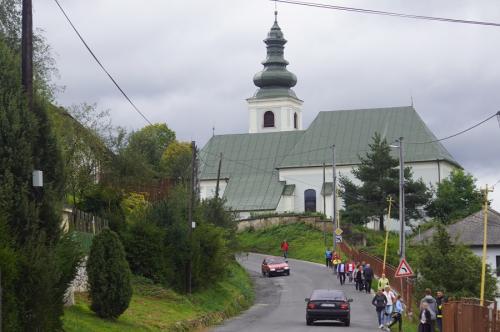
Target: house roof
(469, 230)
(250, 161)
(352, 130)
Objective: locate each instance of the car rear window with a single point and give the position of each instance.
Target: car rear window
(274, 261)
(328, 295)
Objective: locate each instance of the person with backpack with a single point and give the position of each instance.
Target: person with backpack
(424, 318)
(380, 302)
(368, 273)
(431, 307)
(359, 279)
(328, 257)
(397, 315)
(440, 301)
(341, 269)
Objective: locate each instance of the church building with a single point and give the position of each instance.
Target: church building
(278, 165)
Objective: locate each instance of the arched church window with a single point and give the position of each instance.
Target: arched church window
(268, 119)
(310, 200)
(295, 121)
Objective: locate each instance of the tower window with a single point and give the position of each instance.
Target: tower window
(295, 121)
(268, 119)
(310, 200)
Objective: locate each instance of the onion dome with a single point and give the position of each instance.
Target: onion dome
(275, 80)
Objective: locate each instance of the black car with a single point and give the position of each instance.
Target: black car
(328, 304)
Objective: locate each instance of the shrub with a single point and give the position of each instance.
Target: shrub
(108, 276)
(146, 251)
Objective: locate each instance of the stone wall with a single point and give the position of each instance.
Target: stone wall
(260, 223)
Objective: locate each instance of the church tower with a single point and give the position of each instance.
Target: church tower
(274, 106)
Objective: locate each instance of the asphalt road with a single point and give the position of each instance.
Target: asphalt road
(280, 306)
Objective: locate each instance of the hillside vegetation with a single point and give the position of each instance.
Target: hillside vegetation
(155, 308)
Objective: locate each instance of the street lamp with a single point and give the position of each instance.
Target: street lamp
(402, 240)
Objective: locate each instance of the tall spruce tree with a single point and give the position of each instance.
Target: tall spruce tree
(379, 177)
(30, 217)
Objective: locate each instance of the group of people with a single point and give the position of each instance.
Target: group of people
(431, 312)
(389, 308)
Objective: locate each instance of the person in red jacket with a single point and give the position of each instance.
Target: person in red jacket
(284, 249)
(350, 270)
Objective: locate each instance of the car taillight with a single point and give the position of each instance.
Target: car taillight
(344, 306)
(311, 305)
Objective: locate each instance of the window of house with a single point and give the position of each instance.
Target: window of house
(498, 266)
(268, 119)
(310, 200)
(295, 121)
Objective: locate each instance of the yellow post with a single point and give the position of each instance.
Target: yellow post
(389, 200)
(485, 242)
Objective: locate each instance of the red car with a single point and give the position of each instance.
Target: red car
(275, 266)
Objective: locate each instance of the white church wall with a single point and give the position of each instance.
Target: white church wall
(207, 188)
(312, 178)
(283, 109)
(286, 204)
(491, 259)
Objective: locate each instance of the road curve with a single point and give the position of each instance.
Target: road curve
(279, 302)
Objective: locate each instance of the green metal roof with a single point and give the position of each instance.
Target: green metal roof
(249, 162)
(352, 130)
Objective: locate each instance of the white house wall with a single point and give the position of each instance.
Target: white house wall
(491, 259)
(207, 188)
(286, 204)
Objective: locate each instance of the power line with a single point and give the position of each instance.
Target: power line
(384, 13)
(100, 64)
(460, 132)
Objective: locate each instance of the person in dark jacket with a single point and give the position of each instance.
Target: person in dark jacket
(424, 318)
(440, 301)
(380, 301)
(359, 279)
(368, 272)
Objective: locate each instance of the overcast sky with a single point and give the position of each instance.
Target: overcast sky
(190, 64)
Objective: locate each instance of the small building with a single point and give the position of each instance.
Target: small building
(470, 231)
(278, 165)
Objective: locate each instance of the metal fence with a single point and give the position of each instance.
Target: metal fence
(467, 315)
(403, 286)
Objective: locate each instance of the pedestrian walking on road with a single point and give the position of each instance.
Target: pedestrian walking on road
(383, 281)
(335, 261)
(368, 273)
(440, 301)
(391, 299)
(431, 306)
(341, 269)
(359, 279)
(350, 271)
(284, 248)
(380, 301)
(397, 315)
(425, 318)
(328, 257)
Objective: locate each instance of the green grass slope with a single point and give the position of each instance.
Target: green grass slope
(154, 308)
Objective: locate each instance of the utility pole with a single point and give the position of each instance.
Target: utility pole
(190, 215)
(27, 51)
(218, 177)
(334, 197)
(0, 299)
(402, 240)
(485, 242)
(324, 202)
(389, 200)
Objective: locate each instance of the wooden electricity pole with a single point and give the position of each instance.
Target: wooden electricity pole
(218, 177)
(485, 242)
(192, 197)
(27, 51)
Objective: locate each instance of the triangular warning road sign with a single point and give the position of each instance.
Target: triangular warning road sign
(404, 269)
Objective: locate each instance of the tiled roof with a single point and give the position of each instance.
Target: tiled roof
(469, 230)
